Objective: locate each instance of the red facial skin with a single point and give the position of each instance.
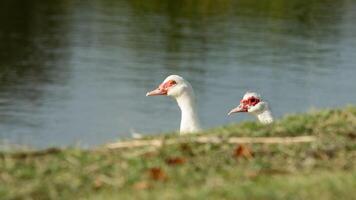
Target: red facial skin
(165, 86)
(162, 89)
(246, 103)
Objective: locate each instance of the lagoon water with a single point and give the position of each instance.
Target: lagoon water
(76, 72)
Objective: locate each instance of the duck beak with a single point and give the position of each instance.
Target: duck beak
(156, 92)
(239, 108)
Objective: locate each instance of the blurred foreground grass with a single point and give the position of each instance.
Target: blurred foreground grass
(321, 170)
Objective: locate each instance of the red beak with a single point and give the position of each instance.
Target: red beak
(156, 92)
(239, 108)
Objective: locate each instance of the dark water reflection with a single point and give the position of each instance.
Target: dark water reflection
(77, 71)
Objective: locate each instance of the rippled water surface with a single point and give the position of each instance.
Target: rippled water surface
(76, 72)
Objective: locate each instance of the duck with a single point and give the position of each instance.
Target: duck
(181, 90)
(252, 103)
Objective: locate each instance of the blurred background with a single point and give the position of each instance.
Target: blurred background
(76, 72)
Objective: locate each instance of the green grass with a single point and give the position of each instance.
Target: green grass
(321, 170)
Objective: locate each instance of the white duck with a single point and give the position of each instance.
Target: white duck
(181, 90)
(252, 103)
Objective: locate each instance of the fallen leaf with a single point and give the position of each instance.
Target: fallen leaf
(186, 148)
(142, 185)
(98, 184)
(352, 136)
(176, 161)
(242, 151)
(157, 174)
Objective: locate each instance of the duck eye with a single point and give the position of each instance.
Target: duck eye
(168, 84)
(171, 83)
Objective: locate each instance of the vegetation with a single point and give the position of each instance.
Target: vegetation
(324, 169)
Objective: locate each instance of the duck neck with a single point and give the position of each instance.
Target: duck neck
(189, 117)
(265, 117)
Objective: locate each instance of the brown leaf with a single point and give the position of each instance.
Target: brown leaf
(242, 151)
(142, 185)
(186, 148)
(157, 174)
(176, 161)
(352, 136)
(98, 184)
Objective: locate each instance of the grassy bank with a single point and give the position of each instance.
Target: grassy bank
(325, 169)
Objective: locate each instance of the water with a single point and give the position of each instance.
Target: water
(76, 72)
